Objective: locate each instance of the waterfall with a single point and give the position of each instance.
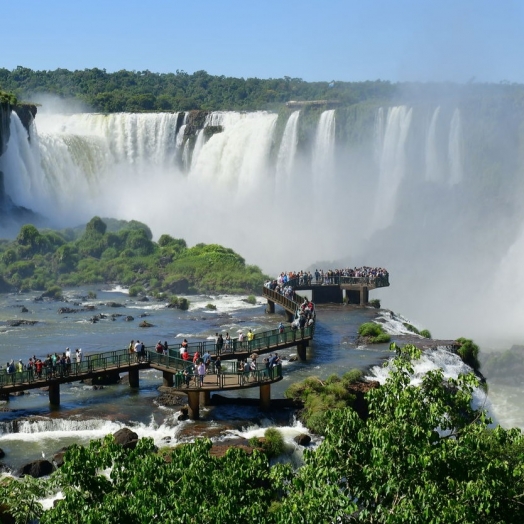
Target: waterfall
(323, 151)
(239, 156)
(455, 149)
(432, 154)
(392, 164)
(288, 149)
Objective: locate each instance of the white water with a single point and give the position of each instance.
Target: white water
(287, 152)
(455, 149)
(323, 154)
(367, 204)
(392, 164)
(433, 171)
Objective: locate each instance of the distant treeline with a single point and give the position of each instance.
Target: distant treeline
(180, 91)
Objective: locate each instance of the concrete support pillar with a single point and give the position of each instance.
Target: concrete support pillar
(167, 379)
(205, 398)
(364, 295)
(290, 316)
(134, 380)
(301, 350)
(270, 306)
(193, 400)
(54, 394)
(265, 397)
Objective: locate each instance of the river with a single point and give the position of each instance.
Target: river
(29, 428)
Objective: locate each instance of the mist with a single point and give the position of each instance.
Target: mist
(428, 187)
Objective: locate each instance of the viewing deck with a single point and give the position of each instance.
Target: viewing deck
(177, 373)
(337, 289)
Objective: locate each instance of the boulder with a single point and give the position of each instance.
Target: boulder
(303, 439)
(38, 468)
(129, 318)
(18, 322)
(145, 324)
(105, 379)
(58, 457)
(126, 438)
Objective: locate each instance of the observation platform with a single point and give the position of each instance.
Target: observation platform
(175, 370)
(337, 289)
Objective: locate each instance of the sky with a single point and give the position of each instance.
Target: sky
(316, 40)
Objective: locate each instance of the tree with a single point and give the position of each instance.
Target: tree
(424, 455)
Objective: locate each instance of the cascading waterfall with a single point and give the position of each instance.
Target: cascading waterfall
(288, 149)
(323, 151)
(392, 164)
(433, 170)
(455, 149)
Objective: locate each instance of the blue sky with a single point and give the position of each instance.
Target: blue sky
(397, 40)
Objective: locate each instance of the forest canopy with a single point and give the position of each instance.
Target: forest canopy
(121, 252)
(134, 91)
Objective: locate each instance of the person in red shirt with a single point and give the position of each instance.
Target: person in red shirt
(185, 355)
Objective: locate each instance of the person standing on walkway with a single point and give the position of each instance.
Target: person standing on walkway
(250, 337)
(201, 370)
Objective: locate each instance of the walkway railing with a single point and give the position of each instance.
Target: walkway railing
(89, 364)
(222, 379)
(340, 280)
(271, 339)
(114, 360)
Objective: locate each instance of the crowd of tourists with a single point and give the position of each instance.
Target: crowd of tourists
(286, 280)
(52, 366)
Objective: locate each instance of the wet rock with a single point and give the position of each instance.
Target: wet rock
(126, 438)
(143, 299)
(114, 304)
(37, 469)
(19, 322)
(219, 450)
(169, 398)
(303, 439)
(293, 358)
(68, 310)
(129, 318)
(24, 310)
(104, 379)
(145, 324)
(58, 457)
(2, 453)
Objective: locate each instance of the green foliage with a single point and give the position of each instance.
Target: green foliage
(180, 91)
(134, 291)
(393, 468)
(397, 466)
(468, 352)
(8, 98)
(251, 299)
(320, 397)
(374, 333)
(211, 307)
(122, 252)
(179, 303)
(425, 333)
(411, 328)
(375, 303)
(273, 442)
(54, 292)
